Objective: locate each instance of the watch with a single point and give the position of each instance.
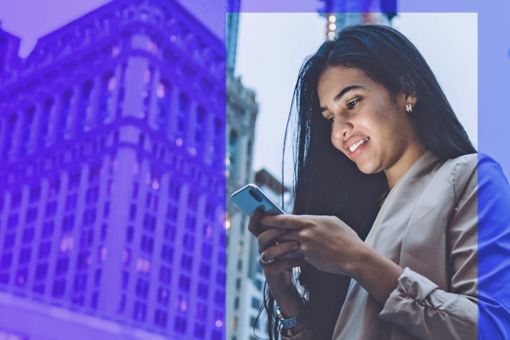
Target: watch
(288, 322)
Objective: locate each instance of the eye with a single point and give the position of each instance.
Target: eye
(331, 119)
(353, 103)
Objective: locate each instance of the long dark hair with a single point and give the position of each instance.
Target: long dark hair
(326, 182)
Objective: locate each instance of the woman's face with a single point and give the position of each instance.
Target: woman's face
(367, 125)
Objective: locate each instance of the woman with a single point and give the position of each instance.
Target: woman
(381, 157)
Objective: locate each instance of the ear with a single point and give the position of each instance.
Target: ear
(408, 89)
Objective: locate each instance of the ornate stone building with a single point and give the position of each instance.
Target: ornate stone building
(112, 179)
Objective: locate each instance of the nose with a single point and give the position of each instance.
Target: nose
(339, 132)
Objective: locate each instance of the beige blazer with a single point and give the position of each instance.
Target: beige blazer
(427, 225)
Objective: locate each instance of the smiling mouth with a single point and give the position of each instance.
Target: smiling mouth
(356, 145)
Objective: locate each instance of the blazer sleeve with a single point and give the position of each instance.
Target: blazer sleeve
(478, 238)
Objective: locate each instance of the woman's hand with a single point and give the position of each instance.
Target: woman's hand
(277, 269)
(326, 242)
(330, 245)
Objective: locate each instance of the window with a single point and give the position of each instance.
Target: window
(44, 121)
(26, 127)
(44, 250)
(9, 240)
(9, 136)
(140, 311)
(219, 297)
(142, 288)
(24, 256)
(163, 104)
(186, 262)
(62, 265)
(80, 282)
(163, 296)
(47, 229)
(59, 287)
(206, 250)
(132, 212)
(84, 107)
(106, 97)
(6, 261)
(41, 271)
(160, 318)
(205, 270)
(201, 311)
(147, 244)
(189, 242)
(220, 278)
(202, 290)
(182, 117)
(180, 324)
(169, 232)
(71, 202)
(199, 331)
(63, 119)
(165, 275)
(255, 303)
(89, 216)
(51, 209)
(172, 212)
(68, 223)
(35, 193)
(167, 253)
(184, 283)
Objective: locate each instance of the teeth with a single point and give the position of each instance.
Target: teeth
(356, 145)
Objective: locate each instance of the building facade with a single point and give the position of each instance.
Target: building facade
(242, 110)
(112, 190)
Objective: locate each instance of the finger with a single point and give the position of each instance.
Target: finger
(278, 266)
(285, 221)
(272, 253)
(268, 237)
(290, 236)
(254, 225)
(297, 255)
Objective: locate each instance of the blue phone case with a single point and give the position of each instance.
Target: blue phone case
(250, 197)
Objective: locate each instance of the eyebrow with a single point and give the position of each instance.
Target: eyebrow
(341, 94)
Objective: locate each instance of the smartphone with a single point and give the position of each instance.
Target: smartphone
(250, 197)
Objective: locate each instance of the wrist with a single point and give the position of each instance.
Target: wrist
(362, 257)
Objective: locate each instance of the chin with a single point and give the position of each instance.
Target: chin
(367, 168)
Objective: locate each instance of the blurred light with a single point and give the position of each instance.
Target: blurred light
(147, 76)
(183, 306)
(66, 244)
(115, 51)
(332, 18)
(126, 255)
(111, 84)
(218, 323)
(178, 141)
(227, 222)
(160, 91)
(103, 253)
(143, 265)
(155, 185)
(332, 27)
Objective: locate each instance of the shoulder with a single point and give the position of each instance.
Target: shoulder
(469, 172)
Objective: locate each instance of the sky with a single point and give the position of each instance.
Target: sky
(273, 46)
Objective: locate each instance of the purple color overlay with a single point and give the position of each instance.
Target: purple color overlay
(112, 167)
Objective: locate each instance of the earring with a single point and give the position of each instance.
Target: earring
(409, 108)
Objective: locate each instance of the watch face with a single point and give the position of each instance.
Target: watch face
(289, 323)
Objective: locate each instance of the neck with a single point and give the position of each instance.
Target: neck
(399, 168)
